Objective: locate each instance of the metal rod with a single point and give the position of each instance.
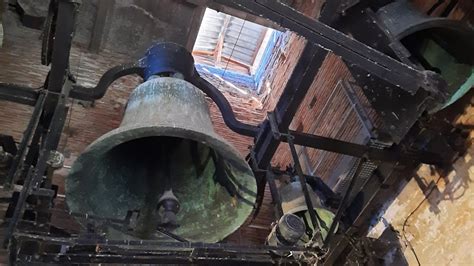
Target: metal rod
(18, 94)
(342, 204)
(73, 241)
(51, 140)
(150, 259)
(62, 44)
(34, 176)
(357, 150)
(90, 94)
(18, 209)
(32, 124)
(275, 194)
(224, 106)
(33, 149)
(316, 221)
(169, 234)
(28, 96)
(321, 186)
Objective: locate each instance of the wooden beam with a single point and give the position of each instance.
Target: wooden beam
(237, 13)
(220, 40)
(233, 61)
(194, 26)
(1, 26)
(238, 63)
(103, 8)
(200, 52)
(259, 44)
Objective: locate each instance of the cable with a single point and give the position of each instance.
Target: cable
(72, 105)
(68, 127)
(434, 7)
(411, 214)
(232, 52)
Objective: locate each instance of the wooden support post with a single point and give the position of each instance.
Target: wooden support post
(103, 10)
(220, 40)
(195, 24)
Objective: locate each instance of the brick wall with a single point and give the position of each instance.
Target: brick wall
(338, 117)
(320, 113)
(20, 64)
(325, 111)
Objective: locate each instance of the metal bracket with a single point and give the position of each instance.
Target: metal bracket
(19, 157)
(346, 4)
(275, 194)
(316, 220)
(274, 125)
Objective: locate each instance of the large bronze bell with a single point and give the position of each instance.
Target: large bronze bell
(166, 164)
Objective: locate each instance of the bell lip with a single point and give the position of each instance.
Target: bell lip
(124, 134)
(437, 23)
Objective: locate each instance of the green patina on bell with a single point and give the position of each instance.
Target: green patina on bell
(293, 202)
(458, 74)
(165, 150)
(439, 44)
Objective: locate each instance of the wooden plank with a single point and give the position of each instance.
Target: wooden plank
(238, 63)
(220, 40)
(1, 26)
(103, 8)
(237, 13)
(259, 44)
(195, 24)
(201, 52)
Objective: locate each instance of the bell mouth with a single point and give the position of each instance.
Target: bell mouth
(450, 59)
(130, 169)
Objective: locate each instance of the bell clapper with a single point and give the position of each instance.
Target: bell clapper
(167, 206)
(170, 207)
